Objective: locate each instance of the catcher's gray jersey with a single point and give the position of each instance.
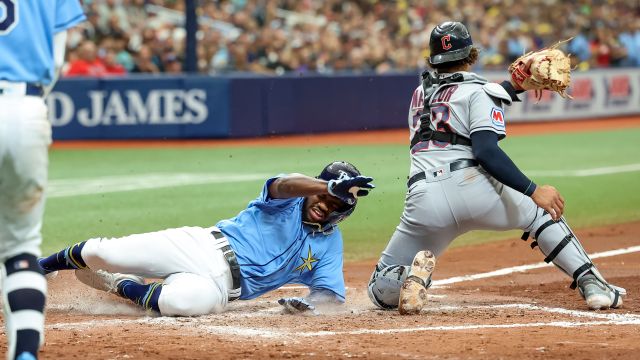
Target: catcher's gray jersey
(462, 108)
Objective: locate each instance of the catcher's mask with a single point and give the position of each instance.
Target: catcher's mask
(449, 41)
(333, 172)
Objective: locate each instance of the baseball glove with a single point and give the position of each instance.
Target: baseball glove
(546, 69)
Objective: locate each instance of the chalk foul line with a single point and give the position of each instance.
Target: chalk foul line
(199, 324)
(523, 268)
(109, 184)
(586, 172)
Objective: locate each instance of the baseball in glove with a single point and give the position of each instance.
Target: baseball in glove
(545, 69)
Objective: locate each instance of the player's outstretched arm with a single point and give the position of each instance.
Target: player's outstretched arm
(345, 188)
(297, 185)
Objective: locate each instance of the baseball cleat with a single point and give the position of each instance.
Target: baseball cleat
(413, 293)
(104, 280)
(599, 295)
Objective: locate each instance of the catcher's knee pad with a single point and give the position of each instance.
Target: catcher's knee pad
(385, 283)
(561, 246)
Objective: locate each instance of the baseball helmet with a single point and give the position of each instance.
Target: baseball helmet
(332, 172)
(449, 41)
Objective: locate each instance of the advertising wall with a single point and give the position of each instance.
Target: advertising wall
(144, 107)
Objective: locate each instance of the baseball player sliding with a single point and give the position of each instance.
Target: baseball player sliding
(288, 234)
(461, 180)
(32, 48)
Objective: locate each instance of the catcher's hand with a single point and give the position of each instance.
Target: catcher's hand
(546, 69)
(348, 188)
(296, 305)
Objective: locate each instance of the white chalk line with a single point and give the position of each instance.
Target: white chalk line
(586, 172)
(109, 184)
(200, 324)
(523, 268)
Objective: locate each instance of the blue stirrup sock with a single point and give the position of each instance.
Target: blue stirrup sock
(67, 259)
(145, 295)
(24, 290)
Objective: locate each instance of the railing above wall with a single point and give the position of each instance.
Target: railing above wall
(145, 107)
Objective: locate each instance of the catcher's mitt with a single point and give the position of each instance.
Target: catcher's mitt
(546, 69)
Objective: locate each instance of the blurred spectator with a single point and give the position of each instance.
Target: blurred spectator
(364, 36)
(111, 64)
(145, 61)
(87, 62)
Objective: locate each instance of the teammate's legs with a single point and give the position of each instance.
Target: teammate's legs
(25, 136)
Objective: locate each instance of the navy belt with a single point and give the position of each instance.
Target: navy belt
(31, 90)
(34, 90)
(232, 260)
(454, 166)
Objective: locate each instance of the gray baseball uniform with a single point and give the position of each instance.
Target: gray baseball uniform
(449, 194)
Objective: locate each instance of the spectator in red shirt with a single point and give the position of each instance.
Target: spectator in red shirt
(87, 63)
(112, 67)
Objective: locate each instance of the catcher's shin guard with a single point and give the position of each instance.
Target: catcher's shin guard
(413, 293)
(560, 245)
(24, 290)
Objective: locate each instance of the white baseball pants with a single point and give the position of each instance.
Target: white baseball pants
(197, 278)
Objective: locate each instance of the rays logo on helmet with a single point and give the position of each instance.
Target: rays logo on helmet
(497, 117)
(343, 175)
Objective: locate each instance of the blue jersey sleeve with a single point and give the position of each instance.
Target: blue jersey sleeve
(269, 204)
(68, 14)
(328, 274)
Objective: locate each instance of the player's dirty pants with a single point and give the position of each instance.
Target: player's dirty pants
(25, 136)
(442, 207)
(196, 275)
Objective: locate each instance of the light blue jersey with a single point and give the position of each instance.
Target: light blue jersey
(275, 248)
(27, 28)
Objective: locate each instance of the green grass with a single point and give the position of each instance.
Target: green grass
(591, 201)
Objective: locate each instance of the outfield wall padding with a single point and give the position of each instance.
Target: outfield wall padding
(159, 107)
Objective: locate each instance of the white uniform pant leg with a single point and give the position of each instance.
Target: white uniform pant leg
(197, 276)
(25, 136)
(156, 254)
(186, 294)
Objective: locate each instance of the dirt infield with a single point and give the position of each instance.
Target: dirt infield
(526, 315)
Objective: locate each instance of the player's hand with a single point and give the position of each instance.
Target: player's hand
(548, 198)
(348, 188)
(296, 305)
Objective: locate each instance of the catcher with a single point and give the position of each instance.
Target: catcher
(460, 180)
(288, 234)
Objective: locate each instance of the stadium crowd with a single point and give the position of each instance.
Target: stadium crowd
(334, 36)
